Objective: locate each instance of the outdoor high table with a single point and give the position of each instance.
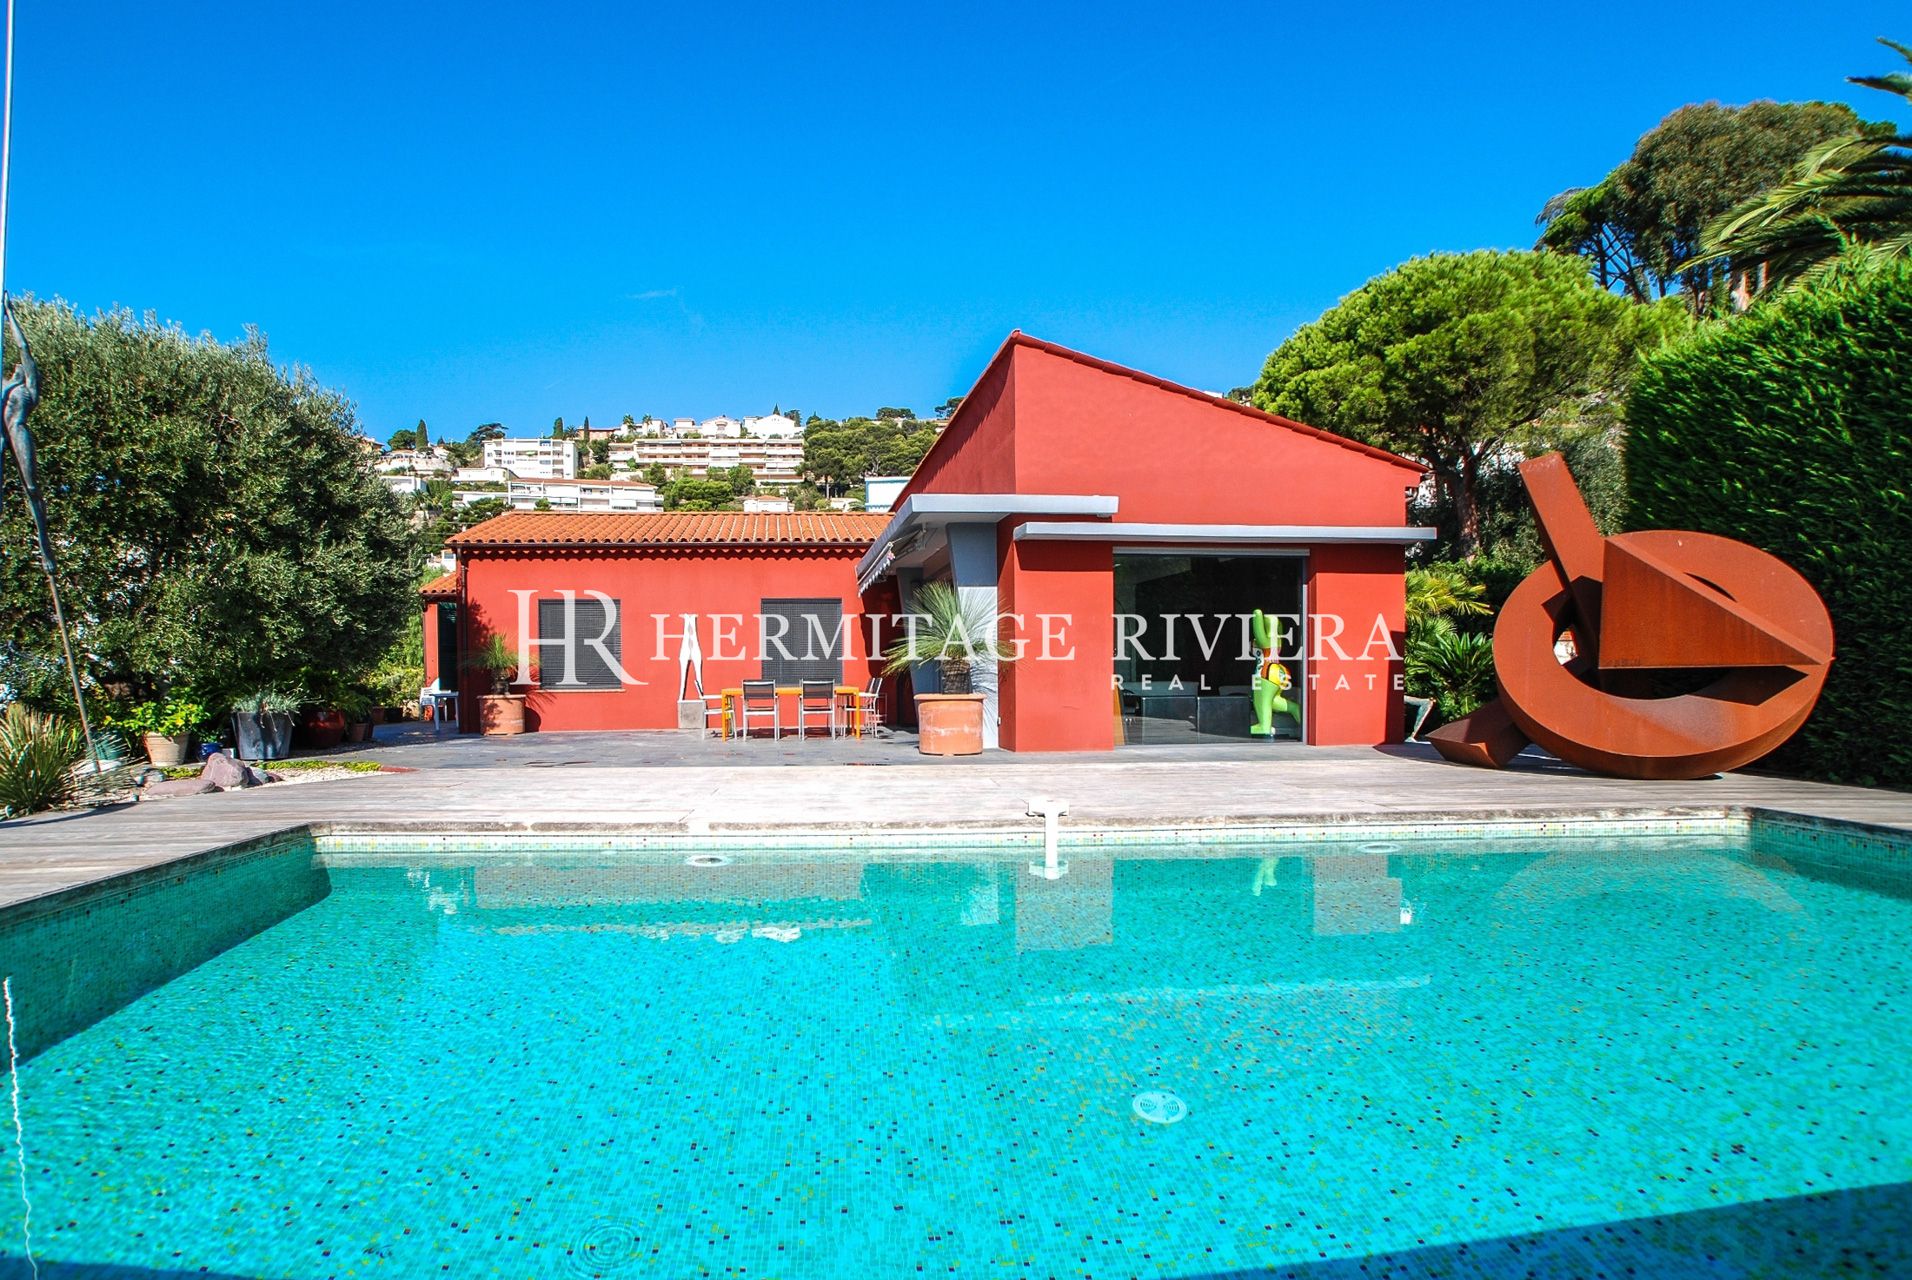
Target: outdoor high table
(846, 696)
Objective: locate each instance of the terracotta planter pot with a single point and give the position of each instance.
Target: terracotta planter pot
(500, 714)
(949, 724)
(361, 731)
(322, 729)
(162, 748)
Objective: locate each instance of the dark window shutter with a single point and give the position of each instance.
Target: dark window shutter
(589, 668)
(817, 652)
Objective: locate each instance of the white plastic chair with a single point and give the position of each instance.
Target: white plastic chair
(443, 703)
(714, 717)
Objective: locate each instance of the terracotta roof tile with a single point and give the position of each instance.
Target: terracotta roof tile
(444, 587)
(672, 528)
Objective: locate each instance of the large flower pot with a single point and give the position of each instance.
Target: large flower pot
(249, 736)
(500, 714)
(277, 726)
(167, 748)
(322, 730)
(949, 724)
(262, 735)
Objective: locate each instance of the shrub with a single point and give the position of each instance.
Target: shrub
(1790, 428)
(37, 755)
(1440, 590)
(171, 718)
(1454, 668)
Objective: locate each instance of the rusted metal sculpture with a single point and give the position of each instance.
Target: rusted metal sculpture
(1637, 609)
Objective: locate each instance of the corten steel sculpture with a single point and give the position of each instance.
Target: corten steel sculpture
(1640, 608)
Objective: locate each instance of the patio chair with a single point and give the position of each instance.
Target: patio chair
(760, 701)
(442, 702)
(715, 721)
(816, 698)
(869, 706)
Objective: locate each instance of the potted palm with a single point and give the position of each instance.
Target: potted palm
(501, 711)
(953, 635)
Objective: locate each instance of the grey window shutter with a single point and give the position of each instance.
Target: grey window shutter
(811, 637)
(589, 669)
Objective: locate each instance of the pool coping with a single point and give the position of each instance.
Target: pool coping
(800, 840)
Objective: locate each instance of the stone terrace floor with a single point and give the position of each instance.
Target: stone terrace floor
(678, 783)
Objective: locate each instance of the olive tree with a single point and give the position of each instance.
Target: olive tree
(217, 522)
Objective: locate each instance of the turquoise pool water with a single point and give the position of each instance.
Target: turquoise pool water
(1658, 1058)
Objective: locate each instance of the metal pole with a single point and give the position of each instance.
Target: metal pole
(73, 671)
(6, 152)
(52, 583)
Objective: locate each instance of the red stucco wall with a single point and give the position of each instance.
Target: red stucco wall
(977, 451)
(1055, 705)
(429, 621)
(673, 581)
(1354, 700)
(1169, 457)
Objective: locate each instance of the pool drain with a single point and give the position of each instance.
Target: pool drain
(707, 860)
(1380, 846)
(1159, 1107)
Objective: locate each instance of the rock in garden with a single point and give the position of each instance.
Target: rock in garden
(178, 787)
(226, 773)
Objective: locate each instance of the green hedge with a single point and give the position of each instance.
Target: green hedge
(1791, 428)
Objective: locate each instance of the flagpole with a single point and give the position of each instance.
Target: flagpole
(46, 559)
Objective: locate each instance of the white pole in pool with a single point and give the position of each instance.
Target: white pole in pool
(13, 1076)
(1050, 811)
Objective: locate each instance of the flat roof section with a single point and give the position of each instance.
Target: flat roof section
(1259, 534)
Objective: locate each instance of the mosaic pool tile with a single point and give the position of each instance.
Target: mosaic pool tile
(1637, 1050)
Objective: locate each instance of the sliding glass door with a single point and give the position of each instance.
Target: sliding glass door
(1187, 658)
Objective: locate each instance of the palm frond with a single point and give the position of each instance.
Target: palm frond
(1852, 190)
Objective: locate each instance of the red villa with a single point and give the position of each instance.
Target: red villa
(1128, 523)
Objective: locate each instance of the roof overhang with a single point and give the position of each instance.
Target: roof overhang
(910, 536)
(1260, 534)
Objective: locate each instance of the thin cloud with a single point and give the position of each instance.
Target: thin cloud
(694, 319)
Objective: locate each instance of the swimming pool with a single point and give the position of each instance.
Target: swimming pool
(1685, 1054)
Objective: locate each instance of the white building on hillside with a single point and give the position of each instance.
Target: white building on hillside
(423, 462)
(583, 495)
(880, 492)
(773, 460)
(773, 424)
(534, 459)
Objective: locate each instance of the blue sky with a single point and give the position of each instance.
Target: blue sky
(470, 212)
